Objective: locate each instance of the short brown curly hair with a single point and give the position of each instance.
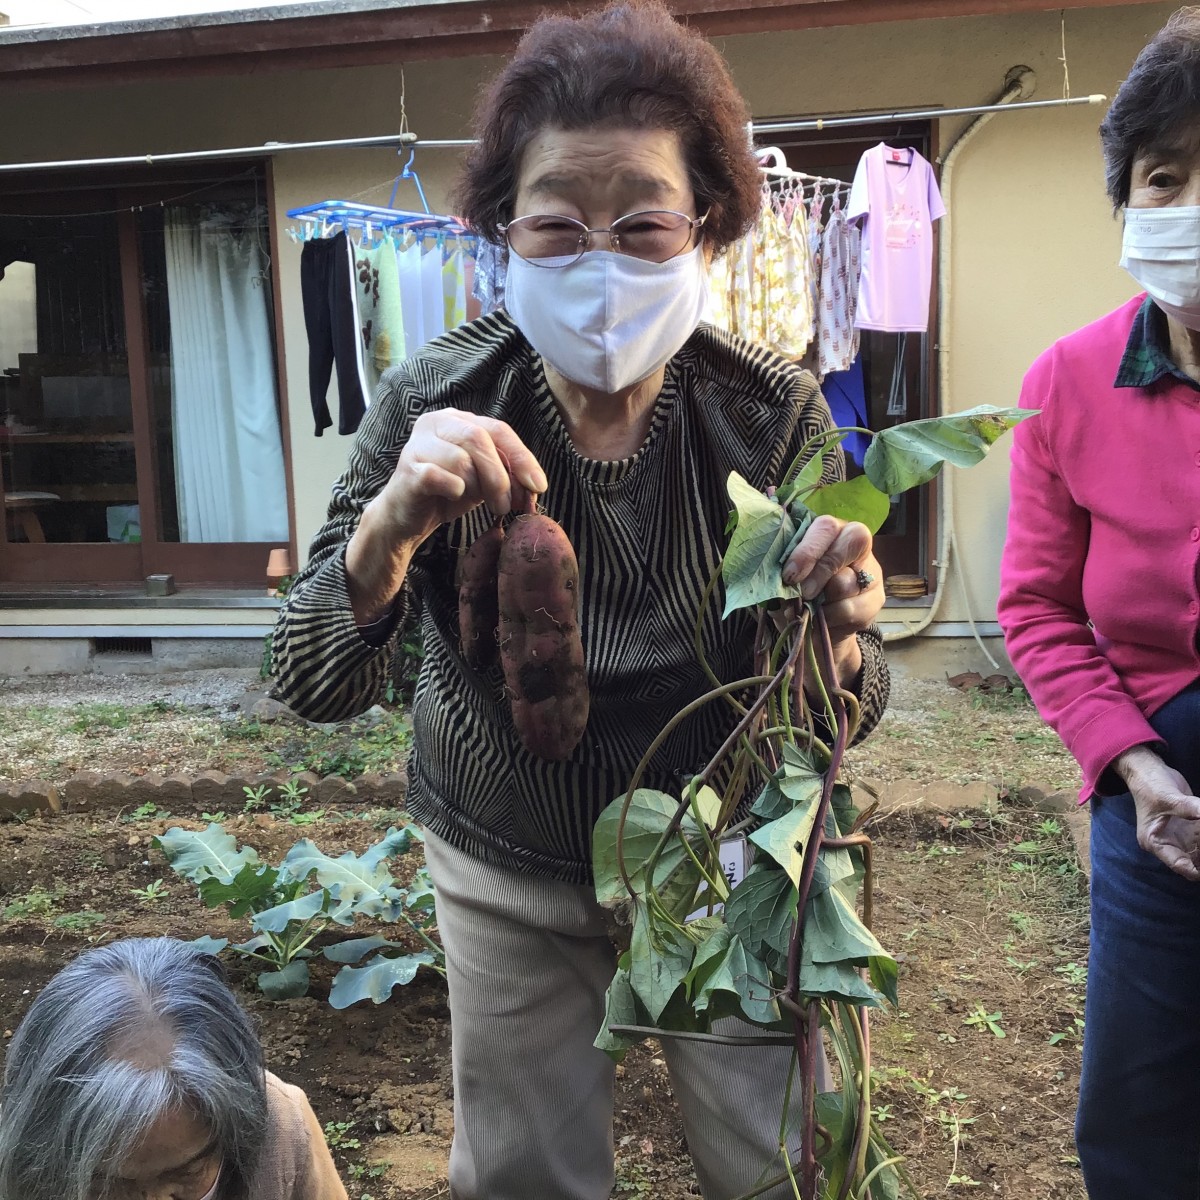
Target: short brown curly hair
(630, 64)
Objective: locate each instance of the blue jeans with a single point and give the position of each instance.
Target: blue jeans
(1138, 1125)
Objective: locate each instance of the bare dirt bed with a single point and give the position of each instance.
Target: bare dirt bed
(986, 913)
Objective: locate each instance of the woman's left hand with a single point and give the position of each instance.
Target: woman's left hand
(835, 557)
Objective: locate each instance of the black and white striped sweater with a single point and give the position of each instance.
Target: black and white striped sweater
(648, 531)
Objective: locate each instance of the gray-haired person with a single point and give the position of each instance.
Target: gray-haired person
(135, 1075)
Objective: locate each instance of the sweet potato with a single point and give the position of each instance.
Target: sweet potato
(478, 600)
(540, 646)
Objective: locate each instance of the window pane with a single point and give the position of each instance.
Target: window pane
(212, 372)
(66, 422)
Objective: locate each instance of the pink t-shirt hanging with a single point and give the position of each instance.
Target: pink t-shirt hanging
(897, 196)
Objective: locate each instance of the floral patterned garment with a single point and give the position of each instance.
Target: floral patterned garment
(761, 289)
(837, 337)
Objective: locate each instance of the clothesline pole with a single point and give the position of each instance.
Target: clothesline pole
(411, 139)
(930, 114)
(267, 148)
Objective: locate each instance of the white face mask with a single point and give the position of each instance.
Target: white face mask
(212, 1191)
(1161, 250)
(609, 320)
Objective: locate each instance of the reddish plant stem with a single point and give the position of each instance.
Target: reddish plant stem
(856, 1160)
(808, 1025)
(742, 727)
(808, 1133)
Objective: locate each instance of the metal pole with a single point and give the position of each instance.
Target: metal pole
(141, 160)
(929, 114)
(411, 139)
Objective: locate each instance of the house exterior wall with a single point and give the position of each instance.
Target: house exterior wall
(1034, 245)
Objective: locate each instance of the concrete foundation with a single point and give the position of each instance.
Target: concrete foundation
(77, 656)
(939, 657)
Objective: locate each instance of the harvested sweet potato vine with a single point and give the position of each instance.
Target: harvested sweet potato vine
(783, 948)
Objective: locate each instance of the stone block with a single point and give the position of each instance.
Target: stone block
(938, 797)
(145, 789)
(309, 780)
(78, 792)
(1048, 802)
(233, 793)
(29, 796)
(111, 790)
(208, 790)
(1079, 822)
(267, 710)
(394, 789)
(368, 786)
(175, 792)
(333, 789)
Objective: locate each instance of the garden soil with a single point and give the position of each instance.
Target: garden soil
(987, 914)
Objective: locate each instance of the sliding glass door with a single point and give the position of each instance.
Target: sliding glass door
(140, 428)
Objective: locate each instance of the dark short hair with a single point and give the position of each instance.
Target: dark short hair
(74, 1108)
(629, 64)
(1160, 97)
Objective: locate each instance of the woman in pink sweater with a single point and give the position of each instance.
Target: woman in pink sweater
(1100, 604)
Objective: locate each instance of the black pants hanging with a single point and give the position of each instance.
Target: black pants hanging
(329, 320)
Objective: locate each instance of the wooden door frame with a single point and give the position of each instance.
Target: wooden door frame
(229, 563)
(918, 545)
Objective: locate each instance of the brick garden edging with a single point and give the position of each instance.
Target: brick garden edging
(209, 791)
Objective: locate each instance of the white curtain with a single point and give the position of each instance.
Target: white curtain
(229, 477)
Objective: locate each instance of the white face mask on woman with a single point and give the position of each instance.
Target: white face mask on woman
(609, 320)
(212, 1191)
(1161, 250)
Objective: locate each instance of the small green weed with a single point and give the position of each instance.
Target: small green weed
(1073, 974)
(1072, 1031)
(337, 1135)
(982, 1019)
(79, 922)
(1016, 964)
(632, 1179)
(1022, 922)
(147, 812)
(89, 718)
(151, 893)
(37, 902)
(256, 797)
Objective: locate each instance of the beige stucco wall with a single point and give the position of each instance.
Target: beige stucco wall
(1034, 247)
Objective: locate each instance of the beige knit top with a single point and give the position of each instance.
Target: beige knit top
(296, 1163)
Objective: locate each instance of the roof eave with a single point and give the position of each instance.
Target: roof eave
(310, 37)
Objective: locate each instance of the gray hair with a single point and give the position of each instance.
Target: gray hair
(73, 1108)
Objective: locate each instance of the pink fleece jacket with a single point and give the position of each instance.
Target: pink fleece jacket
(1104, 527)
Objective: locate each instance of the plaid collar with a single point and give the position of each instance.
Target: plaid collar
(1147, 357)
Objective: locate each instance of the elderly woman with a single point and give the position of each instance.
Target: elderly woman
(613, 161)
(136, 1076)
(1099, 602)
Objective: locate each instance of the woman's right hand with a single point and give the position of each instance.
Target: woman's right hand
(452, 462)
(1168, 815)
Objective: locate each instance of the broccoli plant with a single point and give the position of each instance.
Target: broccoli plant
(309, 894)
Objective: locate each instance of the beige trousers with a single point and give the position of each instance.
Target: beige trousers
(528, 963)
